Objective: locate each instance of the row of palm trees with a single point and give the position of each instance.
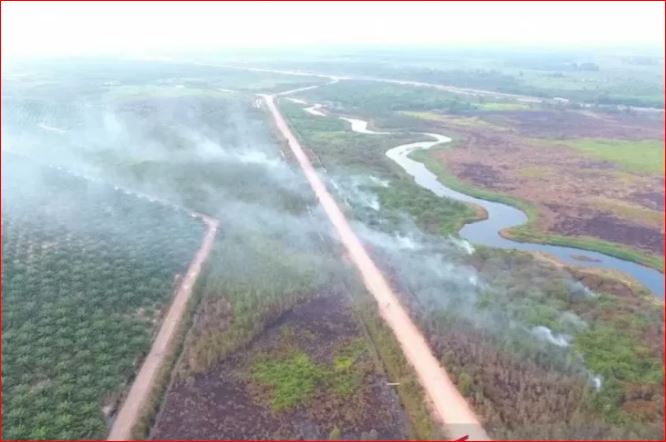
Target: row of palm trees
(86, 273)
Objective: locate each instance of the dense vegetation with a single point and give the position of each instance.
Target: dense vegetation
(343, 152)
(95, 80)
(580, 86)
(174, 148)
(86, 270)
(599, 77)
(551, 388)
(375, 98)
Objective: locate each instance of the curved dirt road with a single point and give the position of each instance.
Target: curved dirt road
(457, 417)
(143, 383)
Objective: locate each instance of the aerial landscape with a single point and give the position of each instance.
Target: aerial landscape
(422, 238)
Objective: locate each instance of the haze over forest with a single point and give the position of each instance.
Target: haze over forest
(333, 220)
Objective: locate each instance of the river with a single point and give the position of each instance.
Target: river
(502, 216)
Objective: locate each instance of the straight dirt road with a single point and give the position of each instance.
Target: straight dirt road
(139, 393)
(450, 406)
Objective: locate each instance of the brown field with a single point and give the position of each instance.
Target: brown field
(228, 402)
(525, 154)
(569, 124)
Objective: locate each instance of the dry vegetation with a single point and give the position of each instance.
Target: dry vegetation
(310, 374)
(542, 158)
(523, 387)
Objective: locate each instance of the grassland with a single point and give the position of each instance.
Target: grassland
(609, 85)
(636, 156)
(293, 376)
(576, 191)
(531, 232)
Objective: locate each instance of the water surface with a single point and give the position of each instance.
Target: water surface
(502, 216)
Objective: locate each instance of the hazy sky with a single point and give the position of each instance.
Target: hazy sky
(53, 28)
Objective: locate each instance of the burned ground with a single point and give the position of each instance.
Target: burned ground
(603, 200)
(572, 124)
(230, 401)
(607, 227)
(651, 200)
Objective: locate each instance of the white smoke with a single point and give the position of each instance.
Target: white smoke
(547, 335)
(406, 242)
(355, 191)
(315, 110)
(380, 182)
(463, 244)
(53, 129)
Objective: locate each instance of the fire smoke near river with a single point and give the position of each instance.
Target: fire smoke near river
(229, 143)
(217, 156)
(458, 418)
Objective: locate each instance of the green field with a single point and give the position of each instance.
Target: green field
(635, 156)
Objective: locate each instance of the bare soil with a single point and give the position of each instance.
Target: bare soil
(227, 403)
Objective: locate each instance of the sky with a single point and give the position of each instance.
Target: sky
(141, 28)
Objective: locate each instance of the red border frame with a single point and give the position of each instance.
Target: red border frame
(326, 1)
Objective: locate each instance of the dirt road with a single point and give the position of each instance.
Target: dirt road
(451, 408)
(139, 394)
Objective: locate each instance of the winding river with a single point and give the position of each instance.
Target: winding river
(502, 216)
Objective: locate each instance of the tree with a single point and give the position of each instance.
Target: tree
(465, 383)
